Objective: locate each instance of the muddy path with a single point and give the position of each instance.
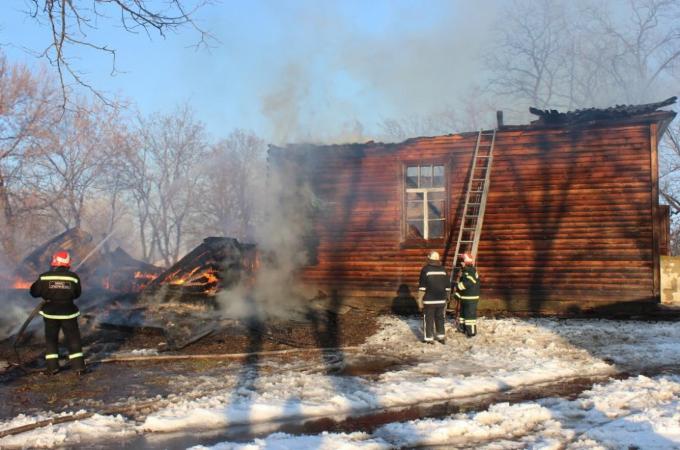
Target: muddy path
(117, 383)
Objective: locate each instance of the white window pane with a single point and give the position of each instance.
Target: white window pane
(438, 176)
(415, 229)
(435, 210)
(425, 176)
(412, 177)
(436, 229)
(414, 210)
(436, 196)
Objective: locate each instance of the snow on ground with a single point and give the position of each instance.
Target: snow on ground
(509, 354)
(70, 433)
(639, 412)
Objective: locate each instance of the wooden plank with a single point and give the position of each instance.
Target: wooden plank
(654, 168)
(664, 226)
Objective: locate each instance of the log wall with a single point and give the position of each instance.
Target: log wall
(569, 226)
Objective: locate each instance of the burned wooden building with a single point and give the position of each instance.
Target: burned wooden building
(572, 221)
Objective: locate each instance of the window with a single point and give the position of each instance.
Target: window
(425, 200)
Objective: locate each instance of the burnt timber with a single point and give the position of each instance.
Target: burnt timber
(572, 223)
(217, 263)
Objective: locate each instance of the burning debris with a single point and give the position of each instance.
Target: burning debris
(217, 263)
(180, 302)
(76, 241)
(121, 272)
(114, 271)
(105, 276)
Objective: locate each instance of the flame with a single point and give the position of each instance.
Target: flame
(144, 276)
(142, 279)
(21, 284)
(197, 277)
(186, 278)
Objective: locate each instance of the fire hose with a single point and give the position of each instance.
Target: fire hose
(42, 303)
(20, 334)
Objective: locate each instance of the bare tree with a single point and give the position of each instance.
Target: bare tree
(526, 61)
(235, 175)
(112, 184)
(442, 122)
(583, 54)
(137, 178)
(669, 179)
(71, 24)
(638, 46)
(72, 162)
(27, 113)
(165, 180)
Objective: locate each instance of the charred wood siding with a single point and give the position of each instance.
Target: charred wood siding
(569, 221)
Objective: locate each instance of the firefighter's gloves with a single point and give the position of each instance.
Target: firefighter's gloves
(421, 295)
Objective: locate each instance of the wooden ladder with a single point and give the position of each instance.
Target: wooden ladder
(475, 197)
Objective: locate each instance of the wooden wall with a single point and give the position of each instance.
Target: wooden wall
(569, 222)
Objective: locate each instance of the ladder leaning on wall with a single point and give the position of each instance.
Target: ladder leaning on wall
(475, 200)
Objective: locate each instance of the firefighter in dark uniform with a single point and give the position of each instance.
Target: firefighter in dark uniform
(433, 293)
(467, 292)
(59, 287)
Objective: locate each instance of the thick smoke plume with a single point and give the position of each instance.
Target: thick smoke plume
(280, 238)
(412, 61)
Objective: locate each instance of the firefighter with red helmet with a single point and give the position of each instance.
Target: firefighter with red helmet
(467, 292)
(59, 287)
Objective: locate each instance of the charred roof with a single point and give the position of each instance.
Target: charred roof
(554, 117)
(548, 118)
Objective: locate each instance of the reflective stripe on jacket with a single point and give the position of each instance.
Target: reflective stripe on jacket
(435, 282)
(59, 287)
(468, 286)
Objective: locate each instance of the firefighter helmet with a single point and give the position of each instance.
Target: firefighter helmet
(433, 256)
(61, 259)
(467, 258)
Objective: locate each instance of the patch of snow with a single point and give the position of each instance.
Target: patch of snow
(140, 352)
(639, 413)
(500, 359)
(324, 441)
(82, 431)
(507, 354)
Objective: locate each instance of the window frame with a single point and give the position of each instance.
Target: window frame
(405, 190)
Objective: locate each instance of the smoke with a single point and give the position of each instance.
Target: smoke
(409, 61)
(5, 272)
(367, 63)
(281, 241)
(15, 310)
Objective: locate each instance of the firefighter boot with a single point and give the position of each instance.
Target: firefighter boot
(470, 330)
(461, 327)
(77, 363)
(51, 364)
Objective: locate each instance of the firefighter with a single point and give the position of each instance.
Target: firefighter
(467, 292)
(59, 287)
(433, 293)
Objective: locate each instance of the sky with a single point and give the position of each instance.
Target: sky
(289, 70)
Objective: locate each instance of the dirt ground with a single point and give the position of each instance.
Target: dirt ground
(109, 386)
